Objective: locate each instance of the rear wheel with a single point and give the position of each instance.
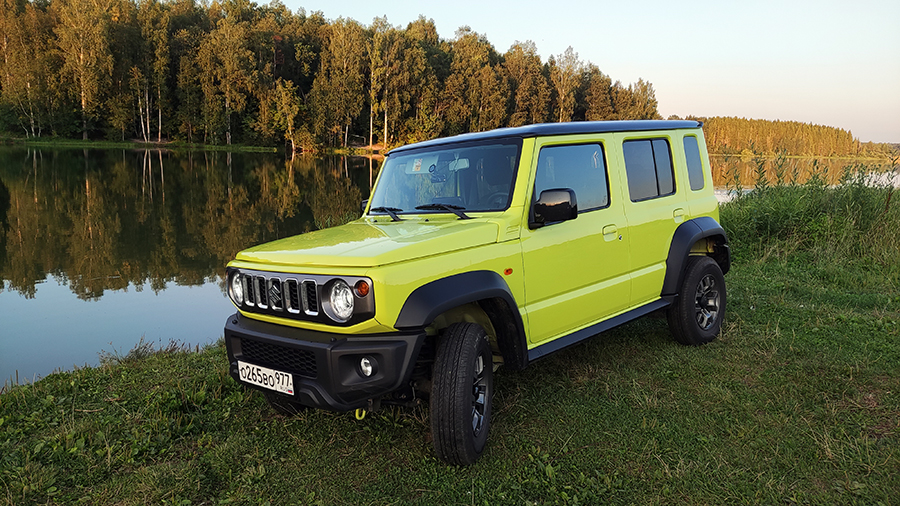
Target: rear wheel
(463, 386)
(282, 404)
(695, 317)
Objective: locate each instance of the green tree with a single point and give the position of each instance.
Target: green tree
(395, 63)
(189, 88)
(428, 65)
(475, 91)
(598, 101)
(638, 101)
(338, 93)
(565, 74)
(155, 29)
(228, 71)
(529, 89)
(24, 60)
(82, 39)
(287, 106)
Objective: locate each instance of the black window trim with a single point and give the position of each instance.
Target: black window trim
(687, 166)
(609, 197)
(655, 172)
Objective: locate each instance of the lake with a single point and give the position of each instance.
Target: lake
(101, 248)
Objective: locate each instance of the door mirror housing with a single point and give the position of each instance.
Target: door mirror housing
(553, 206)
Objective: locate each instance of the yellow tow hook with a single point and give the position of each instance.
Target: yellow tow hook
(360, 413)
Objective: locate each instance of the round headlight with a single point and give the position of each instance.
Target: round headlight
(237, 289)
(341, 299)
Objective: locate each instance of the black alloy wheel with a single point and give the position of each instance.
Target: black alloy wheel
(461, 394)
(695, 317)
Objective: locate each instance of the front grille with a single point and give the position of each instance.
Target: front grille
(296, 296)
(302, 362)
(275, 294)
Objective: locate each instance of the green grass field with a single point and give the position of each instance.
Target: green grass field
(798, 402)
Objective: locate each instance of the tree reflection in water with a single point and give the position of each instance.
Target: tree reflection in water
(100, 220)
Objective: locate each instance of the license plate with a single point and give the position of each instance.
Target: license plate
(267, 378)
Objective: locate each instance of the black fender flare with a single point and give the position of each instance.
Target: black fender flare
(686, 235)
(432, 299)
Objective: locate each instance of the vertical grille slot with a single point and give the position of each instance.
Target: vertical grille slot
(262, 298)
(310, 299)
(292, 299)
(247, 284)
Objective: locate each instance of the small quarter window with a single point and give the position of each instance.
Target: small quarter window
(694, 163)
(581, 167)
(648, 164)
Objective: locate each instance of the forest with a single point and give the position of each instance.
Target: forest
(744, 136)
(237, 72)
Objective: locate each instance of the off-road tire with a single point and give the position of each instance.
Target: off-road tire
(463, 386)
(695, 317)
(282, 404)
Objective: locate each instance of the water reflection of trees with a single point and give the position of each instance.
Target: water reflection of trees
(746, 169)
(110, 220)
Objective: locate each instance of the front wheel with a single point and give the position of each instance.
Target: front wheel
(695, 317)
(463, 386)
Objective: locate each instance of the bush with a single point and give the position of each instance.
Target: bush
(853, 222)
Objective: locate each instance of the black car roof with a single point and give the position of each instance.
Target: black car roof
(546, 129)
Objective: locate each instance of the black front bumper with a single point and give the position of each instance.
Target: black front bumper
(324, 366)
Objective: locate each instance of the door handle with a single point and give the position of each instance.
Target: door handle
(678, 215)
(611, 233)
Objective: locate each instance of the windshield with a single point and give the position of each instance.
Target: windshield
(462, 176)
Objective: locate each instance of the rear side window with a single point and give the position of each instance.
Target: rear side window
(648, 164)
(694, 164)
(581, 167)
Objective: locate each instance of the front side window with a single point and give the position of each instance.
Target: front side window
(581, 167)
(648, 165)
(470, 177)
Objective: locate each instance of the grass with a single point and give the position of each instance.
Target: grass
(798, 402)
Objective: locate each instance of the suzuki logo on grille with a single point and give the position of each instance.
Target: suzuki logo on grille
(274, 295)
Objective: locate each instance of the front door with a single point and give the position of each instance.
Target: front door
(576, 271)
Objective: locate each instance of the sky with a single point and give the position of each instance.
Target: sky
(834, 63)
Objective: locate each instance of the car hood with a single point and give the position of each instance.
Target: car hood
(369, 244)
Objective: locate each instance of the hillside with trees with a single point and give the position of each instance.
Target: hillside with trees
(238, 72)
(725, 135)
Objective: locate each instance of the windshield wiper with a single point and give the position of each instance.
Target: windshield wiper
(391, 211)
(457, 210)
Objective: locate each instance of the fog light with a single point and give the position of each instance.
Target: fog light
(367, 366)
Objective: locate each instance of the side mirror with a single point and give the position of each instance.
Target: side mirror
(362, 207)
(554, 206)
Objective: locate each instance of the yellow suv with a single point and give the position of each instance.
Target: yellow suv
(477, 251)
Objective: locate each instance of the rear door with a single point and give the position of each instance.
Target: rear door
(654, 204)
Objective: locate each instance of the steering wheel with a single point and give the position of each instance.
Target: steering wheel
(497, 200)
